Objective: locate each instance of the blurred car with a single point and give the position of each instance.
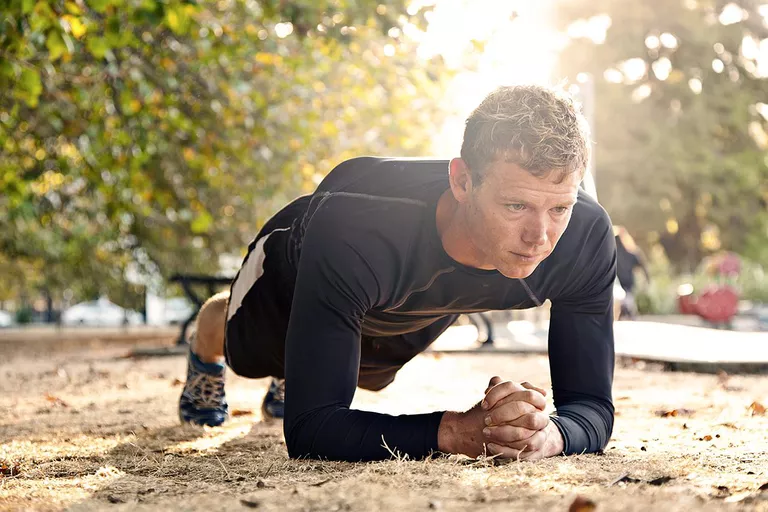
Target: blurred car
(177, 310)
(100, 312)
(6, 319)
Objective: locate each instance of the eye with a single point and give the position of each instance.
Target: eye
(516, 207)
(560, 209)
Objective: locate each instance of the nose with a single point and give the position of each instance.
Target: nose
(535, 233)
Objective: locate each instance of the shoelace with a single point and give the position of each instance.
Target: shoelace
(207, 391)
(279, 390)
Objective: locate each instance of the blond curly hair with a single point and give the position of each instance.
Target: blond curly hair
(538, 128)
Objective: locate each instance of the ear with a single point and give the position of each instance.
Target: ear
(460, 178)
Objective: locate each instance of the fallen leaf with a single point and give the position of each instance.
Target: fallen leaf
(661, 480)
(756, 409)
(176, 382)
(6, 470)
(56, 400)
(675, 412)
(582, 504)
(240, 412)
(250, 503)
(322, 482)
(625, 478)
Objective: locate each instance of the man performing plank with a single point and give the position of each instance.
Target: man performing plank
(341, 288)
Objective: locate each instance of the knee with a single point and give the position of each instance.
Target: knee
(212, 317)
(375, 384)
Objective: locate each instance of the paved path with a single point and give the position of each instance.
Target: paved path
(653, 341)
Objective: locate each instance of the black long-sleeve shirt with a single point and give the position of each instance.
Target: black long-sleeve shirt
(369, 261)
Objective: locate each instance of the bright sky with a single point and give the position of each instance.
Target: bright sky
(521, 46)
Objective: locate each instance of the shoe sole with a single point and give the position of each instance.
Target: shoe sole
(185, 421)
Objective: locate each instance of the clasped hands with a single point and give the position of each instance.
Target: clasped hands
(509, 423)
(515, 423)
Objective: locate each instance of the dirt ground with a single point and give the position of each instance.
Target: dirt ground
(89, 429)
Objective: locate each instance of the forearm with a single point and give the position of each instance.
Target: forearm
(586, 425)
(340, 433)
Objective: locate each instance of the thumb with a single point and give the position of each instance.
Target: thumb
(494, 380)
(528, 385)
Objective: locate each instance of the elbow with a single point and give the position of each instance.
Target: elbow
(607, 415)
(296, 439)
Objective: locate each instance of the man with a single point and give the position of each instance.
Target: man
(342, 288)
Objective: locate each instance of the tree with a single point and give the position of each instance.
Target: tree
(680, 123)
(155, 135)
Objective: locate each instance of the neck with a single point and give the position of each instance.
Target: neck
(454, 232)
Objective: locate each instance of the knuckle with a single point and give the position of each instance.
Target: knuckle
(538, 441)
(530, 421)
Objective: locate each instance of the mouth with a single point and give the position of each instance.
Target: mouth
(525, 257)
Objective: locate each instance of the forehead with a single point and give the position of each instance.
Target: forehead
(509, 179)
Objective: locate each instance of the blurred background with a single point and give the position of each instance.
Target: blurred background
(141, 139)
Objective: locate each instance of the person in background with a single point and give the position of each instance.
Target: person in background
(629, 258)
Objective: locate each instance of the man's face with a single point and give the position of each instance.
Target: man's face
(515, 218)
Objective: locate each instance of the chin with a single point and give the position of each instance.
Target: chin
(518, 272)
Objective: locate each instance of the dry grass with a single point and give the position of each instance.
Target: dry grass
(94, 431)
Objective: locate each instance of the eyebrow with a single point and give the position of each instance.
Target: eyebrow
(511, 200)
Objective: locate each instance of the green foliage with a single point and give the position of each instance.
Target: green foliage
(154, 136)
(679, 167)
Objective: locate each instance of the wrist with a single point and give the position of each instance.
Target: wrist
(461, 432)
(555, 441)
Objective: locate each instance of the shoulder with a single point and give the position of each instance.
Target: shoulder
(584, 261)
(589, 224)
(378, 229)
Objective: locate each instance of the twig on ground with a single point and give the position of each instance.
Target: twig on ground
(266, 473)
(222, 466)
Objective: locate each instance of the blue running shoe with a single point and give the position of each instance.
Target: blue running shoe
(273, 406)
(203, 401)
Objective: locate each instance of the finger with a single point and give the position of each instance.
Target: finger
(502, 452)
(534, 398)
(508, 411)
(531, 456)
(532, 444)
(536, 420)
(528, 385)
(507, 435)
(499, 391)
(494, 380)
